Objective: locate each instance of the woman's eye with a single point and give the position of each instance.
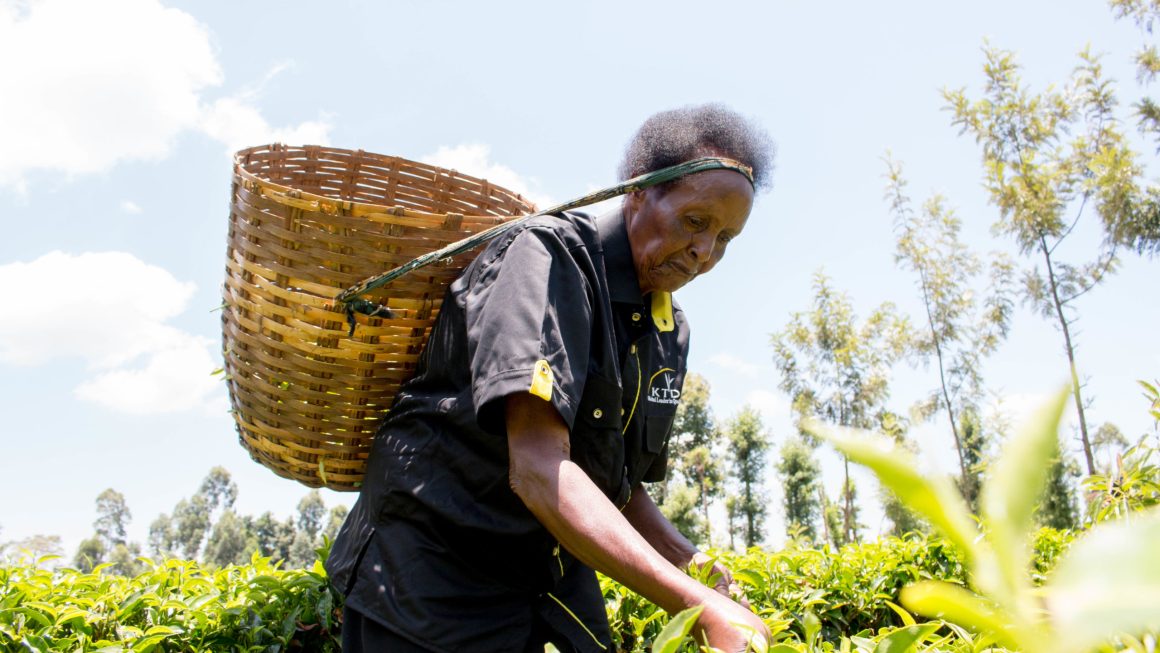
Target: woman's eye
(696, 223)
(724, 238)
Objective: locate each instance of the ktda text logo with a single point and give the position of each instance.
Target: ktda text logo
(663, 387)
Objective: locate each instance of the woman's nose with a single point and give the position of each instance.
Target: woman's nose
(701, 247)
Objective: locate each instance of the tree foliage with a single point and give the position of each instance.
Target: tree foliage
(1058, 507)
(113, 518)
(90, 553)
(334, 521)
(800, 479)
(311, 513)
(962, 328)
(681, 508)
(836, 368)
(34, 547)
(230, 543)
(694, 453)
(206, 527)
(1050, 160)
(273, 537)
(1145, 14)
(748, 442)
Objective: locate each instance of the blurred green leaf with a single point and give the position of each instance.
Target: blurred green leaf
(1009, 497)
(1108, 584)
(935, 499)
(953, 603)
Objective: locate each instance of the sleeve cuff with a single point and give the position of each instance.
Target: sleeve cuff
(488, 395)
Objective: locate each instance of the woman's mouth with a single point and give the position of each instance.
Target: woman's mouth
(681, 269)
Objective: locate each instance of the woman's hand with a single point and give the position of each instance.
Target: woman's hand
(722, 578)
(726, 625)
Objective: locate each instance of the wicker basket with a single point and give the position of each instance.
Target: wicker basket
(305, 224)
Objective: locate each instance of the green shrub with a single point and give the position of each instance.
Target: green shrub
(1104, 591)
(823, 596)
(174, 605)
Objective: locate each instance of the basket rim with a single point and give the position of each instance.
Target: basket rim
(328, 204)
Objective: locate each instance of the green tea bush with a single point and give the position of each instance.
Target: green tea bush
(173, 606)
(806, 595)
(1104, 593)
(820, 596)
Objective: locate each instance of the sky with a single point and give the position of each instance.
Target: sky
(118, 119)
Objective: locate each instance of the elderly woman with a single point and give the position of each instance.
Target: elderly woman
(514, 463)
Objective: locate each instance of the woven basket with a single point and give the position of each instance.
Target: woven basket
(305, 224)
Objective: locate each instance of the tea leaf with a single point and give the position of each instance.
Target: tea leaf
(812, 626)
(674, 632)
(902, 614)
(1009, 497)
(935, 499)
(953, 603)
(1108, 584)
(904, 639)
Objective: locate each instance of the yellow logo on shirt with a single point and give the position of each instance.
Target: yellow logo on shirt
(542, 379)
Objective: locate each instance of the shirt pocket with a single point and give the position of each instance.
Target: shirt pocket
(657, 428)
(660, 408)
(597, 444)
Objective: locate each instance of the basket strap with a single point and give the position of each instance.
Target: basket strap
(349, 297)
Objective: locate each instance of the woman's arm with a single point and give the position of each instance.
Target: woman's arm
(650, 522)
(584, 521)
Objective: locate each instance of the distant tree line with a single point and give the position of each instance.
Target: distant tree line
(206, 527)
(716, 465)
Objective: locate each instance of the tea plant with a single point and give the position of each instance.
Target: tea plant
(1133, 483)
(173, 606)
(1106, 588)
(814, 600)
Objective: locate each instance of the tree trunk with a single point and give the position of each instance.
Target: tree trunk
(824, 501)
(1075, 389)
(848, 504)
(732, 541)
(942, 377)
(705, 509)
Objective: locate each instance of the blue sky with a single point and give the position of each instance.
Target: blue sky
(117, 119)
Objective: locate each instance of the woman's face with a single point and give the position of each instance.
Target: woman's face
(682, 231)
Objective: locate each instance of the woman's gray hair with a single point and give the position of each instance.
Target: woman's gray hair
(671, 137)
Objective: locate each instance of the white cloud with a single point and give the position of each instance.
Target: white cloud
(735, 364)
(98, 82)
(474, 159)
(130, 207)
(110, 310)
(772, 406)
(104, 82)
(172, 379)
(238, 123)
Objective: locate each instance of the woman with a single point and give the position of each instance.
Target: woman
(514, 462)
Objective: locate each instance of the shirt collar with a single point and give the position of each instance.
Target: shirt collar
(623, 285)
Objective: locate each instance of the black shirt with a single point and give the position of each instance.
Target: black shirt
(438, 547)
